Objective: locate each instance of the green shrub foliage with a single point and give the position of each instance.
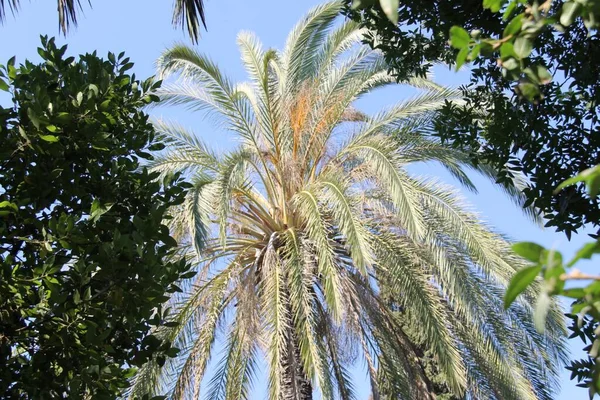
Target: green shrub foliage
(85, 260)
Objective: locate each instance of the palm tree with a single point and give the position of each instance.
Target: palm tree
(186, 13)
(316, 247)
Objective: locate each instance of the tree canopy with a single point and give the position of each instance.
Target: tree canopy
(550, 139)
(85, 260)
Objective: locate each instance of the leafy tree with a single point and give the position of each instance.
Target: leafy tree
(585, 310)
(85, 260)
(186, 13)
(297, 228)
(548, 140)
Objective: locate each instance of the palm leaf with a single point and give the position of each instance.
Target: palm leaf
(186, 13)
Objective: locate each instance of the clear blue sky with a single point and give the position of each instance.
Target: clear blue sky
(142, 29)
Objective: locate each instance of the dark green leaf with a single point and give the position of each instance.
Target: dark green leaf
(98, 209)
(188, 275)
(63, 117)
(358, 4)
(126, 67)
(33, 118)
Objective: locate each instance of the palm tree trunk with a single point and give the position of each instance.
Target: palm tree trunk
(295, 382)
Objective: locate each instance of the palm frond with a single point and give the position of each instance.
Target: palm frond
(337, 42)
(514, 191)
(186, 13)
(13, 6)
(416, 294)
(186, 151)
(189, 14)
(346, 215)
(304, 40)
(378, 155)
(189, 64)
(278, 322)
(318, 230)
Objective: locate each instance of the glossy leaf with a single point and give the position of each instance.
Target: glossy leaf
(529, 251)
(459, 37)
(523, 47)
(514, 26)
(83, 270)
(461, 57)
(519, 283)
(49, 138)
(586, 252)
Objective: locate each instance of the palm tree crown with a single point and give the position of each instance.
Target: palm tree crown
(311, 237)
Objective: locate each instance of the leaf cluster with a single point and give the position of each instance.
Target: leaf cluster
(554, 273)
(85, 259)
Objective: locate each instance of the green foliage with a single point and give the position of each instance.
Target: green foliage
(519, 35)
(389, 7)
(548, 140)
(585, 311)
(85, 259)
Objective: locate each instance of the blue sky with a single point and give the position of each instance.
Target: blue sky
(142, 29)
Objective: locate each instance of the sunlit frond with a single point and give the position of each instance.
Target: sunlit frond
(402, 273)
(304, 41)
(318, 230)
